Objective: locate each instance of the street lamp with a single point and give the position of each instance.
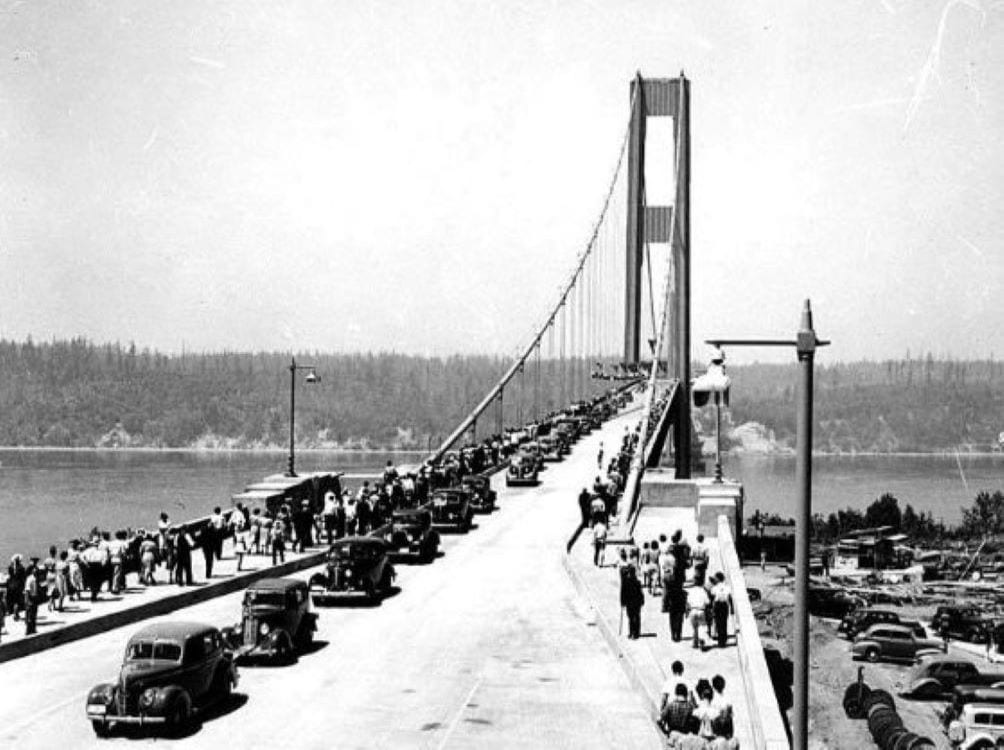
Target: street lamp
(716, 382)
(311, 377)
(805, 344)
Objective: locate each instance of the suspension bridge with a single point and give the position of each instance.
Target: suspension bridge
(501, 643)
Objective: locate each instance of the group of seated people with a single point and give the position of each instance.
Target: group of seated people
(696, 716)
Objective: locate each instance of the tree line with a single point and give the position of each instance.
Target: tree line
(78, 393)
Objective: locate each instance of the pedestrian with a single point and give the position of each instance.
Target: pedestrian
(722, 607)
(632, 600)
(598, 510)
(147, 559)
(328, 513)
(32, 596)
(584, 507)
(697, 603)
(116, 554)
(181, 544)
(218, 525)
(62, 583)
(278, 541)
(599, 542)
(700, 556)
(256, 531)
(350, 516)
(363, 515)
(16, 579)
(93, 561)
(677, 713)
(76, 582)
(722, 725)
(681, 550)
(241, 535)
(599, 456)
(705, 713)
(3, 610)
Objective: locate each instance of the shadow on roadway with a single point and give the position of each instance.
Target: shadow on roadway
(356, 602)
(216, 711)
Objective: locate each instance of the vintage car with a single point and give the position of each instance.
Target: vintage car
(451, 508)
(410, 535)
(522, 470)
(968, 623)
(979, 726)
(170, 670)
(276, 621)
(859, 620)
(553, 449)
(938, 677)
(888, 642)
(483, 497)
(356, 566)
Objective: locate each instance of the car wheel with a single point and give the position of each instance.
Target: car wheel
(318, 580)
(223, 686)
(179, 717)
(872, 654)
(101, 728)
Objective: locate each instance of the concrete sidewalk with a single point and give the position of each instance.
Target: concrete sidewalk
(647, 661)
(80, 619)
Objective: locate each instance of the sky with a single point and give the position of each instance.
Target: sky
(419, 177)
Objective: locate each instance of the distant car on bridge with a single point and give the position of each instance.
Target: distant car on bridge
(451, 508)
(357, 566)
(170, 670)
(410, 535)
(483, 497)
(276, 621)
(522, 470)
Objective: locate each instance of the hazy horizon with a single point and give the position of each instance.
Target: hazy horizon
(361, 177)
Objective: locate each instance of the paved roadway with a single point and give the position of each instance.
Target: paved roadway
(488, 647)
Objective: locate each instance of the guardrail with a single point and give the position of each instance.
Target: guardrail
(766, 723)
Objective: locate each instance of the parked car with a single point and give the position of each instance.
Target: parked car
(977, 727)
(483, 498)
(937, 677)
(410, 534)
(522, 470)
(552, 449)
(356, 566)
(888, 642)
(276, 621)
(964, 622)
(833, 602)
(170, 671)
(861, 619)
(963, 695)
(451, 508)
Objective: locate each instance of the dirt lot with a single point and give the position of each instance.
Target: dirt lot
(832, 670)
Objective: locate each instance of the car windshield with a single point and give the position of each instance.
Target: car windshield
(354, 552)
(273, 598)
(162, 650)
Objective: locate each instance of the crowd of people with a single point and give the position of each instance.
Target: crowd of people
(674, 573)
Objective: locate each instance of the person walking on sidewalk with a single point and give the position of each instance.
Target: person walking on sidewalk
(722, 605)
(632, 599)
(697, 602)
(278, 541)
(584, 507)
(31, 598)
(599, 542)
(181, 544)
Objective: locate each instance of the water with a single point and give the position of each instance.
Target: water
(934, 484)
(50, 496)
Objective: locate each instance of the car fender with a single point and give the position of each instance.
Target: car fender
(98, 693)
(926, 687)
(170, 696)
(276, 637)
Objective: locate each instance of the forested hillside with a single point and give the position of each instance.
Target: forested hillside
(897, 405)
(75, 393)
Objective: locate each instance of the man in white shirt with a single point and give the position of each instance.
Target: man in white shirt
(697, 602)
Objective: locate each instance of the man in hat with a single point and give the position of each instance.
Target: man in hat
(303, 520)
(15, 586)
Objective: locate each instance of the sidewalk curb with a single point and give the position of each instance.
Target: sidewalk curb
(58, 636)
(650, 701)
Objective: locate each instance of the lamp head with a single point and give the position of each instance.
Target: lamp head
(312, 377)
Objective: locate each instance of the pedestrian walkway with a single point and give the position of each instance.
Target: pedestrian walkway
(83, 618)
(648, 659)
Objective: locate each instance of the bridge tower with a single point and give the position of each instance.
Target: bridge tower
(662, 97)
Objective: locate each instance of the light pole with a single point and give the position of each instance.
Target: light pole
(805, 344)
(716, 382)
(311, 377)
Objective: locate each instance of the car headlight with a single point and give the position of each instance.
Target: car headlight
(348, 573)
(148, 698)
(264, 628)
